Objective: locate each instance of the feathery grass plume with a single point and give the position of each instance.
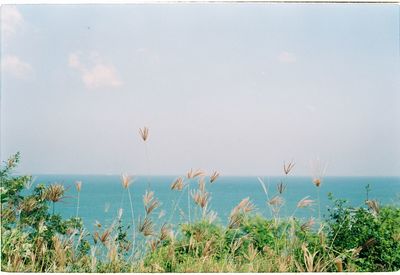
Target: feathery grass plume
(150, 203)
(251, 253)
(126, 180)
(288, 167)
(177, 184)
(166, 232)
(78, 185)
(59, 249)
(373, 206)
(318, 169)
(214, 176)
(276, 201)
(28, 204)
(144, 133)
(307, 225)
(280, 187)
(201, 197)
(161, 214)
(104, 237)
(236, 216)
(54, 192)
(146, 226)
(305, 202)
(192, 174)
(31, 180)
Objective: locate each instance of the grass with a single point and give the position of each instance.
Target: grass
(36, 239)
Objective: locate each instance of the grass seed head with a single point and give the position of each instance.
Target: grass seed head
(144, 133)
(305, 202)
(288, 167)
(177, 184)
(214, 176)
(54, 192)
(78, 185)
(126, 180)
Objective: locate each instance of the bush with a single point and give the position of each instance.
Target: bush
(372, 235)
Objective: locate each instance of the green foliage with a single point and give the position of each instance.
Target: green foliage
(36, 239)
(373, 236)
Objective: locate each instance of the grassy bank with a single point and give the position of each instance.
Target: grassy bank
(36, 239)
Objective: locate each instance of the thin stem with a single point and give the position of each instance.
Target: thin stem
(133, 222)
(319, 206)
(176, 205)
(77, 206)
(188, 199)
(147, 164)
(53, 207)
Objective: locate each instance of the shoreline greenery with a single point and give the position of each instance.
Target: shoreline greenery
(34, 238)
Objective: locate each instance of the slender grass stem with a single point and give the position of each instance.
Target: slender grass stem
(133, 222)
(146, 151)
(176, 205)
(188, 200)
(77, 206)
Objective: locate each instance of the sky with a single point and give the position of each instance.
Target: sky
(237, 88)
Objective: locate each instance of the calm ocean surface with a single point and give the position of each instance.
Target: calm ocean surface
(102, 195)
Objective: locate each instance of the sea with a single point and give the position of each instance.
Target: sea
(102, 196)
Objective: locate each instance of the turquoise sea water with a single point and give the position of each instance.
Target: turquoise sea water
(102, 195)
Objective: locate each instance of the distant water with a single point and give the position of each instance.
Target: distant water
(101, 195)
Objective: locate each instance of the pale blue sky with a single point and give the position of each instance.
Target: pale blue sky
(239, 88)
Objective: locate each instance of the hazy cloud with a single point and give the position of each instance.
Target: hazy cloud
(15, 66)
(97, 74)
(287, 57)
(11, 20)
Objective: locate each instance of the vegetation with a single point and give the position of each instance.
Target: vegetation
(34, 238)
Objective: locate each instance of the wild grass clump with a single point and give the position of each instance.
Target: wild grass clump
(36, 239)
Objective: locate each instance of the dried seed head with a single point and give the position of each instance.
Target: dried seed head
(28, 205)
(307, 225)
(146, 227)
(54, 192)
(200, 197)
(373, 206)
(288, 167)
(214, 176)
(177, 184)
(236, 216)
(166, 232)
(305, 202)
(144, 133)
(281, 187)
(318, 171)
(150, 203)
(317, 181)
(161, 214)
(192, 174)
(276, 201)
(126, 180)
(78, 185)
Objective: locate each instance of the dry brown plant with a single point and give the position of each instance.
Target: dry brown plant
(150, 203)
(146, 226)
(144, 133)
(214, 176)
(177, 184)
(288, 167)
